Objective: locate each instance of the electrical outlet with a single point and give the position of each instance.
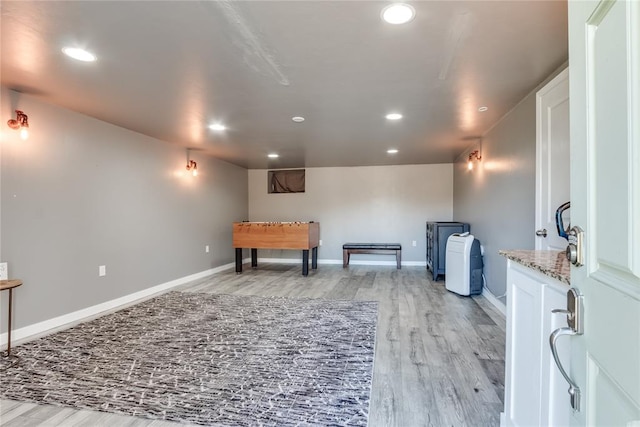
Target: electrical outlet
(320, 242)
(414, 243)
(206, 249)
(4, 271)
(102, 270)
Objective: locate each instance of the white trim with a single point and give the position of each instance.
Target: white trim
(45, 327)
(540, 194)
(339, 262)
(371, 262)
(494, 301)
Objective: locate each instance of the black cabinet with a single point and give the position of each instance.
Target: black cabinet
(437, 235)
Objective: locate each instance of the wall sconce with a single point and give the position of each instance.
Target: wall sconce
(475, 155)
(192, 165)
(21, 122)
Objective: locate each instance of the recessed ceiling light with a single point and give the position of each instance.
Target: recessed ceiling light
(398, 13)
(393, 116)
(392, 151)
(483, 109)
(79, 54)
(298, 119)
(217, 127)
(273, 155)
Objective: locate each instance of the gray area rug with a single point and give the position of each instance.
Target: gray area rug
(209, 359)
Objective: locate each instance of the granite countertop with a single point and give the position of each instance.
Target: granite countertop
(551, 263)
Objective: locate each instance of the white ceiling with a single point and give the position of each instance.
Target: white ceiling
(167, 69)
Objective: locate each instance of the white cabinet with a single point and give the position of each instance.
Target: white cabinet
(535, 391)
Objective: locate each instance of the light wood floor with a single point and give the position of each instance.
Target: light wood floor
(439, 357)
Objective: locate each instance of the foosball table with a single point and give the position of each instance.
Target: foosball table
(302, 236)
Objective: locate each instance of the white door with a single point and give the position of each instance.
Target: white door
(604, 51)
(552, 160)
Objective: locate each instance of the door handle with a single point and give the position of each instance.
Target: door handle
(575, 326)
(542, 232)
(574, 390)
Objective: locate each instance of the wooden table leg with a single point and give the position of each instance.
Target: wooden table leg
(254, 257)
(305, 262)
(9, 285)
(314, 258)
(238, 260)
(9, 323)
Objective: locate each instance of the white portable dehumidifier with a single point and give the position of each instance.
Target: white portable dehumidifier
(463, 267)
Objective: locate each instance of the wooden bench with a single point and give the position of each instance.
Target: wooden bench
(371, 248)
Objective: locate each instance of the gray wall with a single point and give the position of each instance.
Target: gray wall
(497, 197)
(80, 193)
(360, 204)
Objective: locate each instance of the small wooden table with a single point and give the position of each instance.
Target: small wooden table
(4, 285)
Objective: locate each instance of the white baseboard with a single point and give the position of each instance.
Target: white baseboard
(494, 301)
(35, 330)
(339, 262)
(27, 333)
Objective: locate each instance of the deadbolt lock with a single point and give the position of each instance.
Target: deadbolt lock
(575, 249)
